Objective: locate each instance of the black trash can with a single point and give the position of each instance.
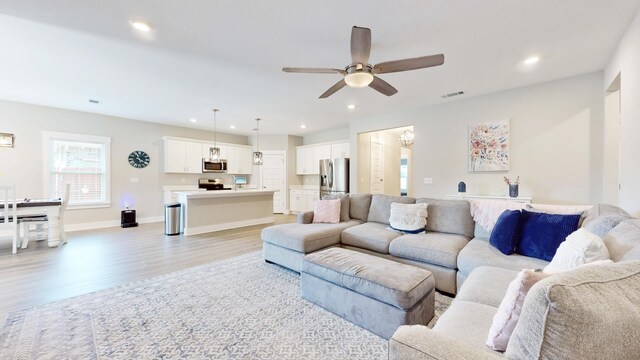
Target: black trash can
(172, 218)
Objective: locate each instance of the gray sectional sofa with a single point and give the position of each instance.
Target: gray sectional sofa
(587, 313)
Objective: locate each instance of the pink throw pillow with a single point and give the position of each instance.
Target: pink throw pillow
(505, 320)
(327, 211)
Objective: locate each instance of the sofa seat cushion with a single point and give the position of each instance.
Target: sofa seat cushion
(385, 280)
(467, 321)
(480, 253)
(623, 241)
(433, 248)
(371, 236)
(306, 238)
(486, 285)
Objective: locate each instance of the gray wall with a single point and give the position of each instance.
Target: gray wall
(326, 136)
(23, 165)
(556, 141)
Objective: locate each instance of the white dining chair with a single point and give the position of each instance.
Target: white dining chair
(9, 219)
(27, 222)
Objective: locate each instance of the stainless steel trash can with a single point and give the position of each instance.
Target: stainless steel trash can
(172, 218)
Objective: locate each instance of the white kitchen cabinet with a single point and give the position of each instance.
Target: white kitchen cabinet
(182, 157)
(304, 161)
(340, 150)
(303, 200)
(239, 160)
(311, 198)
(320, 152)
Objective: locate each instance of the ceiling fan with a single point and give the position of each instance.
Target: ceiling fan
(360, 73)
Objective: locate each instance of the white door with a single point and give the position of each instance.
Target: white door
(377, 166)
(273, 178)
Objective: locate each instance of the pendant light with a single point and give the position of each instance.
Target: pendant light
(406, 138)
(257, 155)
(214, 152)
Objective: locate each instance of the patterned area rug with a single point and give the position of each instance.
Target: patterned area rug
(240, 308)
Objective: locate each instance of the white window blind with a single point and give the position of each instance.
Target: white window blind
(83, 162)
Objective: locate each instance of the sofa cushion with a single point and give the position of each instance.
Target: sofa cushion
(542, 233)
(306, 238)
(359, 206)
(467, 321)
(408, 218)
(371, 236)
(449, 216)
(486, 285)
(385, 280)
(380, 209)
(602, 209)
(506, 232)
(623, 241)
(602, 224)
(326, 211)
(344, 204)
(601, 301)
(433, 248)
(480, 253)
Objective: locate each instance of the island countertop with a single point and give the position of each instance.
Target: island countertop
(215, 210)
(223, 193)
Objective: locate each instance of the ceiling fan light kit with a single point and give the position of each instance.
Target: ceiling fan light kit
(361, 74)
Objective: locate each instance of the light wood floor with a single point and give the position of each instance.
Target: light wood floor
(99, 259)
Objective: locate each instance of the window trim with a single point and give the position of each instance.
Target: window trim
(48, 137)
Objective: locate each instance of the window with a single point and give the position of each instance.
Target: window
(83, 162)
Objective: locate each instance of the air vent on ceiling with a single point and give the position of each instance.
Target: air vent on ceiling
(452, 94)
(94, 101)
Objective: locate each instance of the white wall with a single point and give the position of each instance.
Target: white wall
(23, 165)
(626, 62)
(326, 136)
(556, 141)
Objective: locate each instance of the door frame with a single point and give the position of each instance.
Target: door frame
(286, 211)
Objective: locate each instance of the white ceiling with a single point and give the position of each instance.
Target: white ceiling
(229, 53)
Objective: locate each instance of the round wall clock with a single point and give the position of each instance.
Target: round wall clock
(139, 159)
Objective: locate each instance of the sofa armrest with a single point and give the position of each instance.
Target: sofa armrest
(305, 217)
(419, 342)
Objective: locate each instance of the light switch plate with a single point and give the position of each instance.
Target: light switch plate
(428, 180)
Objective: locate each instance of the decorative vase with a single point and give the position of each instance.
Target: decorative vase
(462, 187)
(513, 190)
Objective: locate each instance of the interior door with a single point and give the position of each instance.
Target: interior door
(377, 166)
(273, 178)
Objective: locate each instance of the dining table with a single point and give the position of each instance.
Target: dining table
(42, 207)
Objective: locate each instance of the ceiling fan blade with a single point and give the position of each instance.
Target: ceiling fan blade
(360, 45)
(313, 70)
(339, 85)
(409, 64)
(382, 86)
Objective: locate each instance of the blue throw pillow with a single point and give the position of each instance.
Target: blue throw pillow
(506, 232)
(542, 233)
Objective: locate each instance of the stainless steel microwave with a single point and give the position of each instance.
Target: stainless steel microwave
(209, 166)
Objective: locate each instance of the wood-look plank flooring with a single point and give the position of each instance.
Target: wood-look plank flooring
(94, 260)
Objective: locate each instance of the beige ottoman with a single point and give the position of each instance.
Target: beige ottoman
(377, 294)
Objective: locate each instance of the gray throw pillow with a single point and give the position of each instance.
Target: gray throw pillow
(344, 205)
(602, 224)
(380, 209)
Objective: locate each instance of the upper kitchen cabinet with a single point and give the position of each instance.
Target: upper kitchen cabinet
(182, 156)
(239, 159)
(308, 156)
(340, 150)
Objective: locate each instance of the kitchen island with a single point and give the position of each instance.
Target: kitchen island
(207, 211)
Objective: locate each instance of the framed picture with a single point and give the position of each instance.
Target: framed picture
(7, 140)
(489, 146)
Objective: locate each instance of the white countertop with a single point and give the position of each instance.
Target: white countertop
(224, 193)
(304, 187)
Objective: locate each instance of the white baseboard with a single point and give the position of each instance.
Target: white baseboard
(226, 226)
(109, 223)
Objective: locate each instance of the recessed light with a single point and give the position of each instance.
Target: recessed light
(532, 60)
(142, 26)
(351, 106)
(193, 120)
(303, 126)
(232, 127)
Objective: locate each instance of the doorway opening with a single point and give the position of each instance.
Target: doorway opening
(384, 162)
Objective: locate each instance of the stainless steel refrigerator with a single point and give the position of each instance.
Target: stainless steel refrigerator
(334, 176)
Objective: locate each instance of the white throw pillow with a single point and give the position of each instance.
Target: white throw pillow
(408, 218)
(581, 247)
(506, 319)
